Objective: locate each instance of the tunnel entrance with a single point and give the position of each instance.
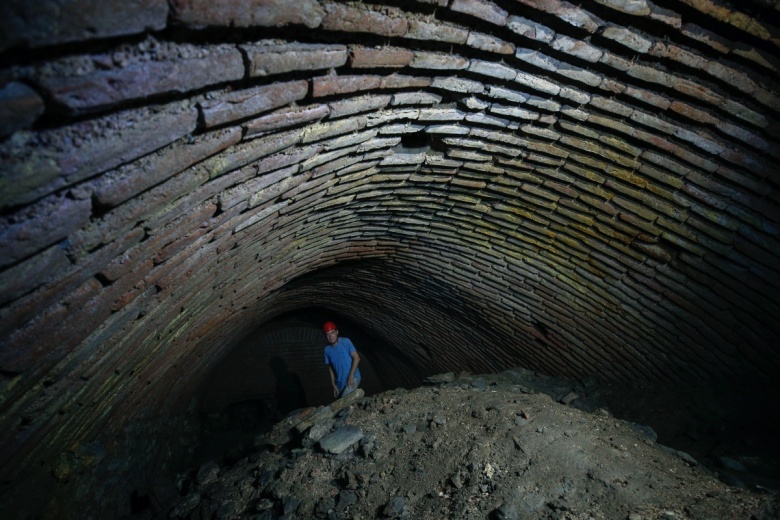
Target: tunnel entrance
(277, 369)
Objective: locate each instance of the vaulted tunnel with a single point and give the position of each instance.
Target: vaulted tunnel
(580, 190)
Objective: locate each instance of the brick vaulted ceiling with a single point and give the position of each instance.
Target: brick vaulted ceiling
(577, 189)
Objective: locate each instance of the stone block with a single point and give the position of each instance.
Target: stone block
(359, 18)
(330, 85)
(49, 22)
(20, 107)
(367, 57)
(241, 104)
(247, 13)
(186, 68)
(266, 60)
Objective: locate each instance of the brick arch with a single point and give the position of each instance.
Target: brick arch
(574, 189)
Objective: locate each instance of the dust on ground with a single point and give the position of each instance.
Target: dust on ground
(511, 445)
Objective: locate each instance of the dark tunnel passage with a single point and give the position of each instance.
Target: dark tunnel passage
(190, 188)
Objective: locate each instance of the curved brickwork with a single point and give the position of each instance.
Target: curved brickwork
(577, 189)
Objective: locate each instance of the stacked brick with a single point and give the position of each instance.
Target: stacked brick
(448, 173)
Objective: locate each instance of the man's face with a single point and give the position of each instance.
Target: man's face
(333, 336)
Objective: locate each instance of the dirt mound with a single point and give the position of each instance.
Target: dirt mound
(495, 446)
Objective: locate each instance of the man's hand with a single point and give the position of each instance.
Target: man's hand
(351, 382)
(335, 391)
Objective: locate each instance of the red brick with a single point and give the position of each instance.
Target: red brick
(19, 312)
(49, 22)
(59, 327)
(128, 181)
(483, 9)
(247, 13)
(104, 88)
(240, 104)
(366, 57)
(265, 60)
(32, 273)
(437, 31)
(398, 81)
(351, 19)
(285, 117)
(31, 173)
(329, 85)
(40, 226)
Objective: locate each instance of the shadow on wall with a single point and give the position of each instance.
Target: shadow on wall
(290, 394)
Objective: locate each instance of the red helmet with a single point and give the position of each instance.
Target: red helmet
(329, 326)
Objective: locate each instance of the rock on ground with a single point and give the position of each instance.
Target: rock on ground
(493, 446)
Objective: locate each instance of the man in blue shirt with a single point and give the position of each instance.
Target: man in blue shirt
(342, 360)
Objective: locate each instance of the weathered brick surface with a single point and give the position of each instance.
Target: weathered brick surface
(47, 223)
(245, 103)
(440, 31)
(20, 107)
(127, 181)
(329, 85)
(247, 13)
(39, 24)
(366, 57)
(101, 89)
(624, 187)
(30, 172)
(357, 18)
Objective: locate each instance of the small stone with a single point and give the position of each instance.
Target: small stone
(504, 512)
(395, 508)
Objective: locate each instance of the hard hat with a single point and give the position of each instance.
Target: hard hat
(329, 326)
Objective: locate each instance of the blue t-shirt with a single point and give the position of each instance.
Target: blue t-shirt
(338, 356)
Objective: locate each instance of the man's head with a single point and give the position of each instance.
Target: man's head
(331, 332)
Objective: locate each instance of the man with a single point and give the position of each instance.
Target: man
(342, 360)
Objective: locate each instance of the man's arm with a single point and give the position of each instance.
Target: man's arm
(333, 381)
(355, 360)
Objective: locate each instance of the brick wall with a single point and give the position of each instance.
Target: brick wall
(448, 174)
